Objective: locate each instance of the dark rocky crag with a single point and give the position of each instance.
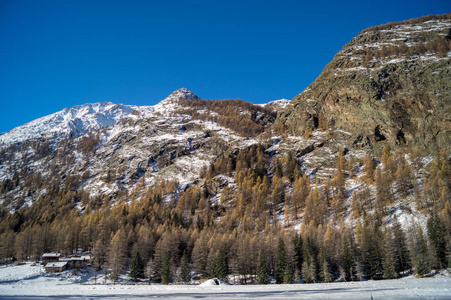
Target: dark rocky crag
(390, 85)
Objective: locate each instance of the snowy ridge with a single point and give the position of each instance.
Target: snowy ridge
(137, 139)
(276, 105)
(73, 121)
(82, 119)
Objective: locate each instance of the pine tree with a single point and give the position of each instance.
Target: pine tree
(150, 269)
(389, 257)
(288, 274)
(422, 265)
(184, 268)
(220, 267)
(326, 274)
(436, 232)
(309, 271)
(402, 255)
(262, 270)
(281, 263)
(166, 275)
(137, 267)
(371, 243)
(347, 260)
(298, 253)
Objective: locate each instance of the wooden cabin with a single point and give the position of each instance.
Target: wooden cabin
(55, 267)
(50, 257)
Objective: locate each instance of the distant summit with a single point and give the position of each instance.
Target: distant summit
(81, 119)
(74, 121)
(180, 94)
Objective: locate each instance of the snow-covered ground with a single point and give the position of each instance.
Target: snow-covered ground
(19, 283)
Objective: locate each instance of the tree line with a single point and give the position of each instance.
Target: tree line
(245, 118)
(270, 222)
(392, 25)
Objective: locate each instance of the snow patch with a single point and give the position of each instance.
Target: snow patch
(213, 282)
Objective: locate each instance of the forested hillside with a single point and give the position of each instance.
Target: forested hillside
(350, 181)
(252, 225)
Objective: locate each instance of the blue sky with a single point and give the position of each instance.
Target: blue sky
(57, 54)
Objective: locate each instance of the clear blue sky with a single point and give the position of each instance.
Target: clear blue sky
(57, 54)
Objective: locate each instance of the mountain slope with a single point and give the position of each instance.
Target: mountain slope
(74, 122)
(106, 148)
(323, 192)
(389, 85)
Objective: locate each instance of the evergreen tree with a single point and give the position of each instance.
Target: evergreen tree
(309, 271)
(150, 269)
(389, 257)
(298, 253)
(371, 250)
(436, 232)
(262, 270)
(281, 263)
(220, 267)
(184, 268)
(137, 267)
(288, 274)
(347, 260)
(326, 274)
(402, 255)
(422, 265)
(309, 266)
(166, 276)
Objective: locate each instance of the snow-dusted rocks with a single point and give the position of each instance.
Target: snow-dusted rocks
(81, 119)
(146, 143)
(74, 122)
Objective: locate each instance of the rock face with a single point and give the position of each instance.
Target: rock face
(389, 85)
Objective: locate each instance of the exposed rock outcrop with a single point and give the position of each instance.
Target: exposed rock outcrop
(387, 86)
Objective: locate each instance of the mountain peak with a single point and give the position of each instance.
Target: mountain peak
(180, 94)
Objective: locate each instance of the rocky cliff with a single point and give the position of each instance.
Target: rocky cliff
(390, 85)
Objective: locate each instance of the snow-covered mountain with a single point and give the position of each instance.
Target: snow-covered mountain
(154, 142)
(74, 122)
(81, 119)
(182, 136)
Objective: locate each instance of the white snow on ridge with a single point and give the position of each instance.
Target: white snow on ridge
(81, 119)
(77, 120)
(276, 104)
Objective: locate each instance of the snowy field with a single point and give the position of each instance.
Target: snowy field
(26, 282)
